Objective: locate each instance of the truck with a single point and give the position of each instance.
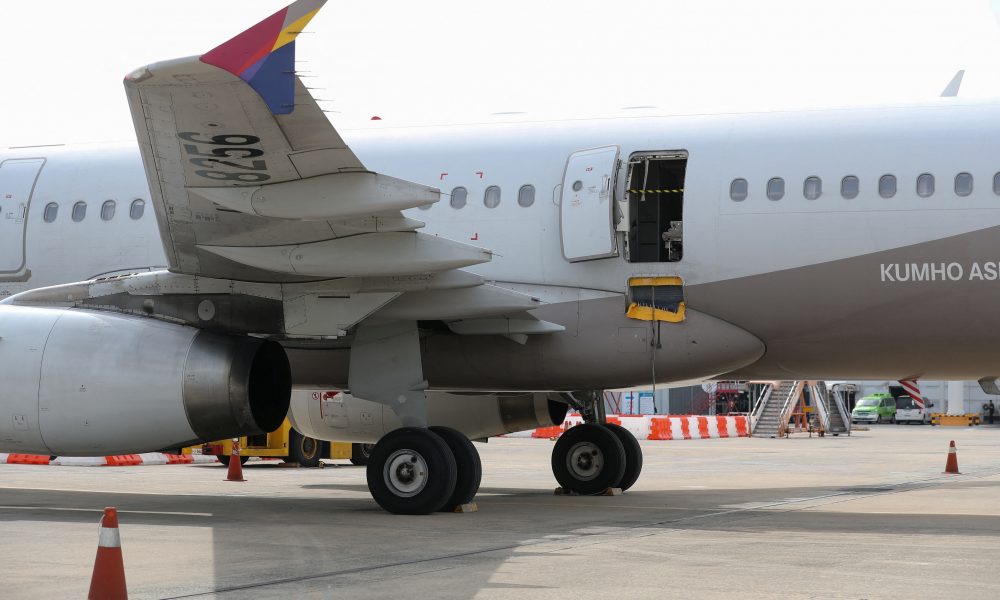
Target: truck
(288, 445)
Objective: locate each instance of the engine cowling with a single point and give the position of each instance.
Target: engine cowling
(333, 415)
(82, 383)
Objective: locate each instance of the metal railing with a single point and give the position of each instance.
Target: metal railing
(759, 404)
(786, 408)
(818, 392)
(838, 402)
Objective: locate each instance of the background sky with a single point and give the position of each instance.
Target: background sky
(461, 61)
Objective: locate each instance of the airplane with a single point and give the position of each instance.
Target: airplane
(460, 282)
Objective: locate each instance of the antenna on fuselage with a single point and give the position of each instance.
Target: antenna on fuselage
(951, 90)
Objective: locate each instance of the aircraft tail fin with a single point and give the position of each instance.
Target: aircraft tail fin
(951, 90)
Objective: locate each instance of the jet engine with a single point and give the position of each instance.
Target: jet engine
(331, 415)
(86, 383)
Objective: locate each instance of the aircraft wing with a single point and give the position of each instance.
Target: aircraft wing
(251, 182)
(271, 224)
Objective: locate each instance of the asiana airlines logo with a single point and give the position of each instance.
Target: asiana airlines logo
(941, 271)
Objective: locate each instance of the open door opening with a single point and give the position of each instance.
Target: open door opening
(654, 190)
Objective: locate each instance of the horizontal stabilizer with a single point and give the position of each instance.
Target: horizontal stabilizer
(375, 254)
(326, 197)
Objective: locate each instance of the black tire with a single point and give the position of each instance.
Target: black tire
(588, 459)
(633, 455)
(361, 453)
(878, 420)
(303, 450)
(224, 459)
(423, 488)
(468, 463)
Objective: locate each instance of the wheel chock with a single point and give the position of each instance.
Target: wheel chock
(608, 492)
(471, 507)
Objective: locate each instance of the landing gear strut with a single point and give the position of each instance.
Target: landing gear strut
(593, 457)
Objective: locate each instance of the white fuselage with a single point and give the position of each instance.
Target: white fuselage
(724, 240)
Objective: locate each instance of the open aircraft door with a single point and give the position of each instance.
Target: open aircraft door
(17, 182)
(587, 207)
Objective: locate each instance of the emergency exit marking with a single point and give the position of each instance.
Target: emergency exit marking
(443, 175)
(480, 173)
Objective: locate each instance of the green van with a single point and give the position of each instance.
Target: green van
(876, 408)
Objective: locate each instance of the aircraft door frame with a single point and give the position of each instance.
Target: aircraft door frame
(18, 178)
(586, 206)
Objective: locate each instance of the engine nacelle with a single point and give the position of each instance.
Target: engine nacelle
(90, 383)
(331, 415)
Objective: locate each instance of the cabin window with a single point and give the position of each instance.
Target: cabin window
(738, 190)
(654, 191)
(526, 195)
(459, 196)
(850, 187)
(887, 186)
(137, 209)
(925, 185)
(812, 188)
(79, 211)
(51, 212)
(108, 210)
(963, 184)
(775, 188)
(491, 198)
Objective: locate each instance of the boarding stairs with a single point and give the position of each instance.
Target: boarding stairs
(770, 416)
(832, 412)
(780, 399)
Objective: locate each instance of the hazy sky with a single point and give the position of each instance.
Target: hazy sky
(457, 61)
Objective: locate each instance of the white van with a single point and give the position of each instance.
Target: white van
(908, 411)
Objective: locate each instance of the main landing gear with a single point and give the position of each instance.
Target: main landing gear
(596, 456)
(417, 470)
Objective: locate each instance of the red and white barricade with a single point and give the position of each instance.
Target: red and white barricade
(658, 427)
(121, 460)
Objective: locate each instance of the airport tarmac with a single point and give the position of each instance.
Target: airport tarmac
(867, 516)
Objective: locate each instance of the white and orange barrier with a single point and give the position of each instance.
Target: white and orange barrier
(122, 460)
(659, 427)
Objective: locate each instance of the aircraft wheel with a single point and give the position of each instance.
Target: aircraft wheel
(361, 453)
(470, 467)
(588, 459)
(411, 471)
(303, 449)
(633, 455)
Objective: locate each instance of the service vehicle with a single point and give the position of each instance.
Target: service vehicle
(287, 444)
(875, 408)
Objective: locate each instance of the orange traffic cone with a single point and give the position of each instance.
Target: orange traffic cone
(235, 466)
(108, 580)
(952, 465)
